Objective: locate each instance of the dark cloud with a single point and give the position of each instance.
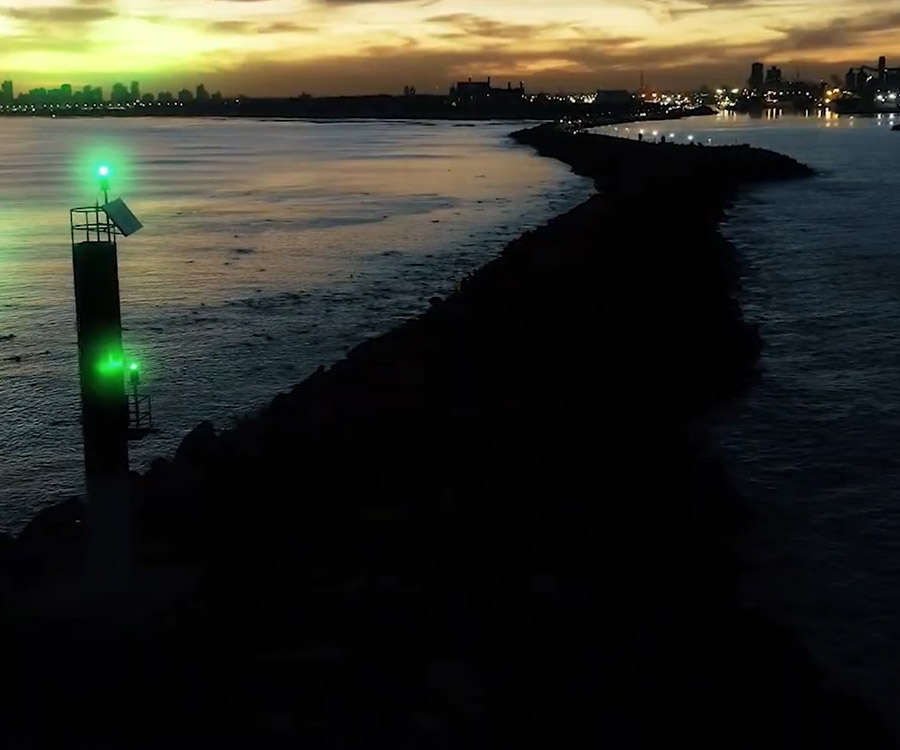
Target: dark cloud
(675, 9)
(373, 2)
(229, 27)
(471, 25)
(252, 27)
(84, 11)
(837, 33)
(286, 27)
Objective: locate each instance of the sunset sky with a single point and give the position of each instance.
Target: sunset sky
(283, 47)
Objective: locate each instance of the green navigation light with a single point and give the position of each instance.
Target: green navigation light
(110, 366)
(134, 367)
(103, 171)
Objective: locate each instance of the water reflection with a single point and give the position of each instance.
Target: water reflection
(269, 248)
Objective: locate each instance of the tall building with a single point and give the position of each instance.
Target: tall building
(119, 94)
(773, 76)
(135, 91)
(202, 93)
(6, 92)
(867, 79)
(756, 76)
(480, 91)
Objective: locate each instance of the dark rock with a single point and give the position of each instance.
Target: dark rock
(198, 445)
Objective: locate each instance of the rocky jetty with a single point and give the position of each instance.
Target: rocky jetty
(500, 523)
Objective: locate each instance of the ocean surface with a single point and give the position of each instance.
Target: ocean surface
(269, 248)
(816, 447)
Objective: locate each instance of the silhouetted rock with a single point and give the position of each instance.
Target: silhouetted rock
(198, 445)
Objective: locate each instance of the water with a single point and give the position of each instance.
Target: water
(815, 447)
(270, 248)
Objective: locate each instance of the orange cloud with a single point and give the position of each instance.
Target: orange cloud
(282, 47)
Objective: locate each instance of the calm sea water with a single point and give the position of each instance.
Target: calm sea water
(817, 445)
(270, 248)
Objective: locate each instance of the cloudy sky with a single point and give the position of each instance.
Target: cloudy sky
(274, 47)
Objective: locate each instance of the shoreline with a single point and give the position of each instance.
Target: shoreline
(505, 514)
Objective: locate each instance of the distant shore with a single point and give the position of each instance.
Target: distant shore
(419, 107)
(502, 522)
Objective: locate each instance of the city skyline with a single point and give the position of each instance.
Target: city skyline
(118, 93)
(283, 47)
(761, 74)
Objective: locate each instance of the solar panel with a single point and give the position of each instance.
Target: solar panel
(120, 215)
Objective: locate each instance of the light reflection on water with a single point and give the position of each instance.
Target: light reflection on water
(269, 248)
(815, 446)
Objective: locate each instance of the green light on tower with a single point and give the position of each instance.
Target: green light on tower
(112, 365)
(103, 176)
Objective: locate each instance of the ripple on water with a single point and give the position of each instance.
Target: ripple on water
(815, 445)
(324, 245)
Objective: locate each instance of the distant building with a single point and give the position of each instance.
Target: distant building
(6, 92)
(202, 94)
(147, 98)
(481, 91)
(120, 94)
(867, 80)
(135, 91)
(613, 97)
(773, 76)
(755, 82)
(185, 96)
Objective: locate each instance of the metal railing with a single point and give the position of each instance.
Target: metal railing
(140, 416)
(92, 224)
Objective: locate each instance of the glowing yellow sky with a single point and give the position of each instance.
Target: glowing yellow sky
(270, 47)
